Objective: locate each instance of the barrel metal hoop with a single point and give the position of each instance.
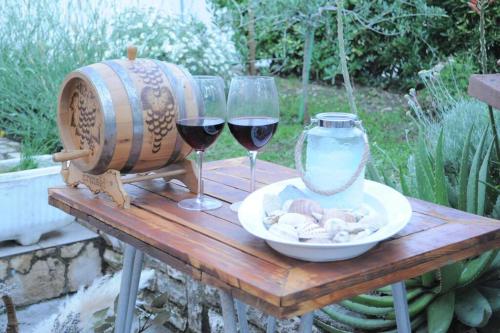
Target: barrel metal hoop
(137, 117)
(178, 92)
(108, 112)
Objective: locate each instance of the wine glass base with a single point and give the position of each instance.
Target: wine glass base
(236, 206)
(199, 205)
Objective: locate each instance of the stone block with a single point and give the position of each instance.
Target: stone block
(215, 322)
(4, 265)
(71, 251)
(211, 296)
(176, 290)
(46, 252)
(177, 275)
(45, 280)
(21, 263)
(113, 259)
(83, 269)
(194, 305)
(177, 317)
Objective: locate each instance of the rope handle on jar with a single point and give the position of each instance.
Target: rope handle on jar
(300, 168)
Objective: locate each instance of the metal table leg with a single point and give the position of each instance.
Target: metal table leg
(241, 311)
(271, 324)
(134, 287)
(306, 323)
(228, 314)
(401, 307)
(123, 298)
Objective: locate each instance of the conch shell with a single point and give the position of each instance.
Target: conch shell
(305, 206)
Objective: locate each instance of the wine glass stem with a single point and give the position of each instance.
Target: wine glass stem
(199, 161)
(253, 160)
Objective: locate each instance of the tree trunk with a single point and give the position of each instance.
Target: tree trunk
(306, 69)
(343, 56)
(252, 45)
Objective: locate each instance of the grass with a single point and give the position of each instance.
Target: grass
(383, 116)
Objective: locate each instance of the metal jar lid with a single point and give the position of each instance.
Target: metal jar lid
(337, 120)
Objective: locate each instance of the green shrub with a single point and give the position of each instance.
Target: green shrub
(38, 49)
(389, 61)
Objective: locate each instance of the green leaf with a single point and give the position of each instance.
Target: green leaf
(372, 173)
(493, 326)
(428, 279)
(448, 277)
(440, 189)
(472, 182)
(472, 308)
(493, 297)
(357, 322)
(416, 306)
(464, 172)
(328, 328)
(366, 309)
(440, 313)
(423, 173)
(481, 186)
(474, 268)
(404, 185)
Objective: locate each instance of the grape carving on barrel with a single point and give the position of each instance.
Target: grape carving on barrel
(157, 101)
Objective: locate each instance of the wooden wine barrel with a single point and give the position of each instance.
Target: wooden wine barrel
(120, 114)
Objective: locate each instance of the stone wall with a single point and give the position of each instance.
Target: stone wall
(192, 307)
(52, 272)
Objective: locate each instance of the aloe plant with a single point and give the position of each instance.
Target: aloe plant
(468, 291)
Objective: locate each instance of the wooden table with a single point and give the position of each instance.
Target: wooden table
(213, 248)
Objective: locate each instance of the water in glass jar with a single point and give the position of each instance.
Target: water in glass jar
(333, 155)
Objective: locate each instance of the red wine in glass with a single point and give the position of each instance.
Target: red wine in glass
(200, 133)
(253, 133)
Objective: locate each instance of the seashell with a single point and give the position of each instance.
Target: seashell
(309, 227)
(316, 233)
(273, 217)
(286, 205)
(295, 220)
(341, 237)
(333, 226)
(305, 206)
(373, 220)
(271, 203)
(338, 214)
(284, 232)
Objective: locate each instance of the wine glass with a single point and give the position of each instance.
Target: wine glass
(253, 115)
(201, 130)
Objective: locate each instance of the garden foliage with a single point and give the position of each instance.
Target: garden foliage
(381, 51)
(38, 49)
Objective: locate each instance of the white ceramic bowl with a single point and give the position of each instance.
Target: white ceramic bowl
(390, 204)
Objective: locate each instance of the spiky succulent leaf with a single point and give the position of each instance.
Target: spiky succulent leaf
(440, 313)
(472, 182)
(428, 279)
(328, 328)
(448, 277)
(474, 268)
(440, 188)
(493, 297)
(423, 173)
(482, 178)
(416, 306)
(415, 323)
(464, 173)
(493, 326)
(472, 308)
(356, 322)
